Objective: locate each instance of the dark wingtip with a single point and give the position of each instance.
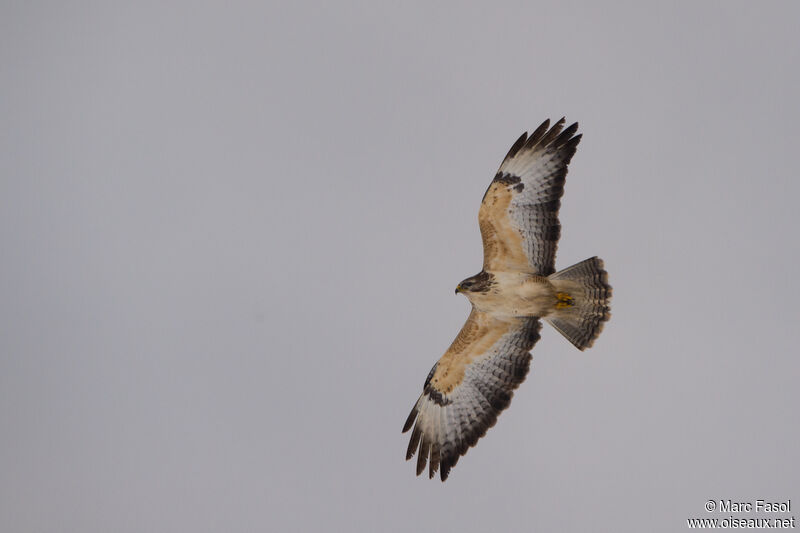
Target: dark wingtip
(413, 443)
(519, 143)
(410, 420)
(566, 135)
(544, 126)
(551, 135)
(433, 464)
(448, 461)
(422, 457)
(537, 134)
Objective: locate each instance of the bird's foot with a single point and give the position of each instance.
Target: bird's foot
(564, 300)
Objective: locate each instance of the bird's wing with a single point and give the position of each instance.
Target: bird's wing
(469, 386)
(519, 213)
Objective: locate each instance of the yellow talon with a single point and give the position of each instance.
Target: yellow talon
(564, 300)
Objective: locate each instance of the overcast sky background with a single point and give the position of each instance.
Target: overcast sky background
(231, 234)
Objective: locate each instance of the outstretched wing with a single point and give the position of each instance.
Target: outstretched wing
(469, 386)
(519, 213)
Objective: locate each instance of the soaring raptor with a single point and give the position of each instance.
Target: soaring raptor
(475, 379)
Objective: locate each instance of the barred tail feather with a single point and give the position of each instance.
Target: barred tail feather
(589, 295)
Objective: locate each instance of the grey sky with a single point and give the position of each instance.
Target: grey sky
(231, 235)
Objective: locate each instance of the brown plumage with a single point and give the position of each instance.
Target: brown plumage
(474, 380)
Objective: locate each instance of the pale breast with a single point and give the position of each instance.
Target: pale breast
(517, 295)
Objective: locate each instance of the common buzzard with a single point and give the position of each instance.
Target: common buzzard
(475, 379)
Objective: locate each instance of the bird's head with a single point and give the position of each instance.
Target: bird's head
(480, 282)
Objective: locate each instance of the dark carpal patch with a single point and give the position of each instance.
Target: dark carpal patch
(437, 397)
(506, 179)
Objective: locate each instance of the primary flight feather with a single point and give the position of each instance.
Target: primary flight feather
(475, 379)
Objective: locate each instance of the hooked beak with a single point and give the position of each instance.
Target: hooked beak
(458, 288)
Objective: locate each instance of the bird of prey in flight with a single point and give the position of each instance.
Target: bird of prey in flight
(518, 286)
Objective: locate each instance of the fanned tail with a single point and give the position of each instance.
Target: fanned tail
(584, 296)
